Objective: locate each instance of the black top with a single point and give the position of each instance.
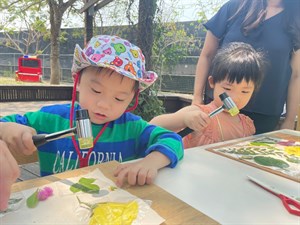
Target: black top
(271, 37)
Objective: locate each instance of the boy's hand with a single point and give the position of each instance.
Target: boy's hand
(141, 172)
(18, 137)
(196, 119)
(9, 172)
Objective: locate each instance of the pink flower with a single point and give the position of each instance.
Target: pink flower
(44, 193)
(49, 191)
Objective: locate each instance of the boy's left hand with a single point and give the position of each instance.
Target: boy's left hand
(143, 171)
(139, 172)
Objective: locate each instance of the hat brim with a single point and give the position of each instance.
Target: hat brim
(81, 61)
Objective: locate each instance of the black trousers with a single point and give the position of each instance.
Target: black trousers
(263, 123)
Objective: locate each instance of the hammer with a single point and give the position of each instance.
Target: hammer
(228, 104)
(83, 130)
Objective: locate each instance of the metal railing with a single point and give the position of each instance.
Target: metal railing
(177, 78)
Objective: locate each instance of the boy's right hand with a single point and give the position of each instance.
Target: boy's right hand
(18, 137)
(196, 119)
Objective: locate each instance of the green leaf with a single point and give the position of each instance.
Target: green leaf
(84, 180)
(112, 188)
(85, 185)
(269, 161)
(293, 160)
(259, 144)
(33, 200)
(75, 188)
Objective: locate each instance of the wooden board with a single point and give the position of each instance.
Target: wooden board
(280, 150)
(172, 209)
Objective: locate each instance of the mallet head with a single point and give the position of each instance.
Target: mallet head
(84, 129)
(229, 104)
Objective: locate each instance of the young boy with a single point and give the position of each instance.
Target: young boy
(109, 73)
(237, 69)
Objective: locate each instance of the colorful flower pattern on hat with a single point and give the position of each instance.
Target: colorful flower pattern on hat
(114, 53)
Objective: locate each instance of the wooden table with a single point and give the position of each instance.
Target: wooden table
(173, 210)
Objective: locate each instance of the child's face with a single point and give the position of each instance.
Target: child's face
(239, 93)
(105, 94)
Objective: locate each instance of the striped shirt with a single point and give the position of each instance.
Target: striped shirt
(127, 138)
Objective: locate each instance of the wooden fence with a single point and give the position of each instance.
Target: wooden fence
(18, 93)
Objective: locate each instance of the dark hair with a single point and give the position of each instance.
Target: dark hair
(256, 12)
(238, 61)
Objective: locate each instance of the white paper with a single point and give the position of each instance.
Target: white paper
(64, 208)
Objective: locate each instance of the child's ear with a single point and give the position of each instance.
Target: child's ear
(211, 81)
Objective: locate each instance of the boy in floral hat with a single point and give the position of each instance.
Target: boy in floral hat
(108, 74)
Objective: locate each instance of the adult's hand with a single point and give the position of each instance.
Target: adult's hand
(9, 172)
(18, 137)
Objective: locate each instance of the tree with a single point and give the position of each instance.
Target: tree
(21, 32)
(149, 104)
(147, 10)
(57, 10)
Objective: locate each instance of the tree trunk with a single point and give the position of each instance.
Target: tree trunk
(88, 20)
(147, 10)
(55, 21)
(57, 9)
(54, 61)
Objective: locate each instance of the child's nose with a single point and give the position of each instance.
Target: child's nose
(103, 103)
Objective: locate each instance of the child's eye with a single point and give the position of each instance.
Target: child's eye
(119, 100)
(97, 92)
(245, 92)
(227, 89)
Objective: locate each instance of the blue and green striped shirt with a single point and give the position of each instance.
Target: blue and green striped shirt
(129, 137)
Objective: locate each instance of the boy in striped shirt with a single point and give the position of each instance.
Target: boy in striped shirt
(109, 73)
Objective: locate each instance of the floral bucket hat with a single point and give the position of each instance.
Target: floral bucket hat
(114, 53)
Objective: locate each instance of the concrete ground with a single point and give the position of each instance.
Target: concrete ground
(7, 108)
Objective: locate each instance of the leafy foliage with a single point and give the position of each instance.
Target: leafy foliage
(149, 104)
(22, 32)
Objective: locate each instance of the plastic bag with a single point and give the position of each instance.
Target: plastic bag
(114, 213)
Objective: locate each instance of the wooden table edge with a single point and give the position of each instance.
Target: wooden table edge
(172, 209)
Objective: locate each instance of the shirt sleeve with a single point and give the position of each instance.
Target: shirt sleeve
(219, 22)
(31, 119)
(16, 118)
(154, 138)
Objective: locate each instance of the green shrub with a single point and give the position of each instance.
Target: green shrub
(149, 104)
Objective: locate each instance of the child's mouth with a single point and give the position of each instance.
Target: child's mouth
(100, 116)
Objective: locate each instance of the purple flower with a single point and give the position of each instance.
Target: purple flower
(49, 190)
(45, 193)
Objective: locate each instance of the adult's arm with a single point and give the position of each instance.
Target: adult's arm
(293, 97)
(9, 172)
(207, 54)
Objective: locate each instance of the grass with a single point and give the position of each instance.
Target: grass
(12, 81)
